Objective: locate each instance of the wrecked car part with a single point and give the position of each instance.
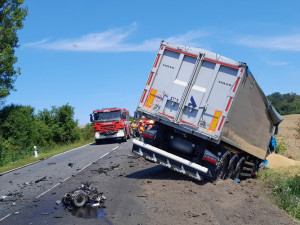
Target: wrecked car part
(82, 197)
(42, 179)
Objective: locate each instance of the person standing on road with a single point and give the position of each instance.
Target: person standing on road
(141, 127)
(134, 128)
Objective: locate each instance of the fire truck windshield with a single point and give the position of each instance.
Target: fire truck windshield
(107, 116)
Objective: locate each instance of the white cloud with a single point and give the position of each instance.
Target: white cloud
(286, 43)
(114, 40)
(276, 63)
(33, 44)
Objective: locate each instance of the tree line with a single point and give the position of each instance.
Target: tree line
(285, 104)
(21, 129)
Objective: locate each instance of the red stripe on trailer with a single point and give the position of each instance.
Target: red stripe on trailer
(150, 78)
(162, 47)
(228, 104)
(210, 160)
(148, 135)
(219, 128)
(143, 96)
(171, 117)
(182, 121)
(221, 63)
(157, 59)
(236, 84)
(186, 53)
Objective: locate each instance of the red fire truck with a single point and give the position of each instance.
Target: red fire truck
(111, 123)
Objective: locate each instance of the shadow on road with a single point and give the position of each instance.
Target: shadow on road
(109, 141)
(161, 173)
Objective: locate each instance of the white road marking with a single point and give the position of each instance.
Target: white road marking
(5, 217)
(48, 190)
(40, 160)
(75, 173)
(114, 148)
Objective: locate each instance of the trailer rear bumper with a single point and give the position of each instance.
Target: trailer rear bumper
(170, 161)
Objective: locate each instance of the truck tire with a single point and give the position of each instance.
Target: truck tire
(231, 167)
(222, 166)
(125, 136)
(239, 167)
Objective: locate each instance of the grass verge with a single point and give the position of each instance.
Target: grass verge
(52, 152)
(285, 189)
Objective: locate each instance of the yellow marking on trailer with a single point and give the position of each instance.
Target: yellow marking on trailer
(215, 120)
(151, 98)
(208, 131)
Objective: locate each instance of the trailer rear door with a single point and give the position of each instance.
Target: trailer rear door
(191, 90)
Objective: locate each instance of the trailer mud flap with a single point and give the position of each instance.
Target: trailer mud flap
(170, 161)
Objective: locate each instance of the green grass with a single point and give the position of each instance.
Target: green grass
(281, 148)
(285, 189)
(52, 152)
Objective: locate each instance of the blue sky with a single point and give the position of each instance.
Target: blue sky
(94, 54)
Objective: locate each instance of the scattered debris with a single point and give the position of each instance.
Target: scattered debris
(16, 173)
(42, 179)
(78, 169)
(106, 169)
(16, 213)
(70, 164)
(13, 204)
(237, 180)
(82, 197)
(57, 217)
(133, 156)
(26, 183)
(149, 181)
(142, 196)
(2, 198)
(52, 163)
(45, 214)
(58, 202)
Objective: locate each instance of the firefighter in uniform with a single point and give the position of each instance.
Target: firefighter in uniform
(134, 127)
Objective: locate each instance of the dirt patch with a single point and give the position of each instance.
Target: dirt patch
(181, 201)
(289, 135)
(278, 161)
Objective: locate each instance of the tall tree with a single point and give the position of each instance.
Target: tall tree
(12, 16)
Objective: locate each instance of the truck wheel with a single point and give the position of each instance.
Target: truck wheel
(222, 166)
(231, 167)
(239, 168)
(125, 136)
(98, 141)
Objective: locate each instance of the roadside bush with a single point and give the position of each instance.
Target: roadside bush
(87, 132)
(61, 122)
(21, 129)
(285, 190)
(18, 131)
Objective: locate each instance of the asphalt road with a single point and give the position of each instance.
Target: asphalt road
(136, 191)
(32, 191)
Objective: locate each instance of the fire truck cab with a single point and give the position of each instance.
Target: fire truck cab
(111, 123)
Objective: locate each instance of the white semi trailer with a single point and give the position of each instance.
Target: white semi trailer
(212, 118)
